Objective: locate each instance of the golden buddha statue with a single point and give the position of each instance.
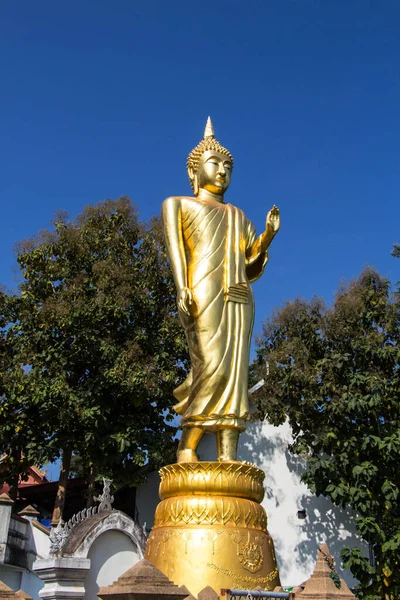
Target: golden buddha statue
(210, 527)
(215, 255)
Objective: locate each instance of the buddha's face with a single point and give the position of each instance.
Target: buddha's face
(214, 172)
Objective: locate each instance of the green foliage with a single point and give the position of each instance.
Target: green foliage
(334, 373)
(12, 415)
(92, 345)
(396, 254)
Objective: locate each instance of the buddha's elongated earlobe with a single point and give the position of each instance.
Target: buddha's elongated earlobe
(195, 186)
(193, 180)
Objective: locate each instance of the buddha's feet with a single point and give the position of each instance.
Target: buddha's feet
(186, 456)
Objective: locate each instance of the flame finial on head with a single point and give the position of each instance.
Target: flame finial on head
(207, 143)
(209, 130)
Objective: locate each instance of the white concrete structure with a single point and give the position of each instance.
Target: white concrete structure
(22, 540)
(97, 550)
(296, 540)
(63, 578)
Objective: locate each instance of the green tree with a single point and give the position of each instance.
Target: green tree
(12, 415)
(396, 254)
(97, 346)
(334, 374)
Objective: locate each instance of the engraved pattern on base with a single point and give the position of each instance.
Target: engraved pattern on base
(214, 510)
(207, 532)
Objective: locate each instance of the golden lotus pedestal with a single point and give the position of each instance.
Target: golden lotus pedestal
(210, 528)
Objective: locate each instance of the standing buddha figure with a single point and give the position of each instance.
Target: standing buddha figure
(215, 255)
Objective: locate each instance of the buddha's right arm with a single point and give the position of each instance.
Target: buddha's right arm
(171, 215)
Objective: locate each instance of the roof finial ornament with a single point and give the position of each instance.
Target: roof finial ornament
(209, 130)
(105, 499)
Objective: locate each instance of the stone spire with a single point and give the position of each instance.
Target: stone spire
(5, 499)
(6, 593)
(321, 585)
(21, 595)
(29, 511)
(143, 581)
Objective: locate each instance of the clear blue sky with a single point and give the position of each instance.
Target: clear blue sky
(102, 98)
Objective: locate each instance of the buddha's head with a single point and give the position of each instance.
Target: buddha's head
(210, 165)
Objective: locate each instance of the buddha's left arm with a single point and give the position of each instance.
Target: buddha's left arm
(256, 259)
(257, 249)
(256, 252)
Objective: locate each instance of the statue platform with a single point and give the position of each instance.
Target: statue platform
(210, 528)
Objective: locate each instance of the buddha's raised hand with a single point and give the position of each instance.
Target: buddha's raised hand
(273, 220)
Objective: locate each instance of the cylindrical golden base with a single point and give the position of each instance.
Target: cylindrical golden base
(210, 528)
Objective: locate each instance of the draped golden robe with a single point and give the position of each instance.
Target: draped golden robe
(218, 248)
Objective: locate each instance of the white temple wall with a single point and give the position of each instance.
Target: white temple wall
(111, 554)
(40, 542)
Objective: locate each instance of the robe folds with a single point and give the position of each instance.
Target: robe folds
(221, 255)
